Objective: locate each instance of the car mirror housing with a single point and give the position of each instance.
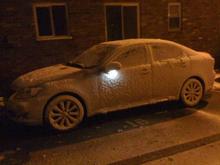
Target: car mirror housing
(112, 66)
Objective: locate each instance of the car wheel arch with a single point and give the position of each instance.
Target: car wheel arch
(66, 93)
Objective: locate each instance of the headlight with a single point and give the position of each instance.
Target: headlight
(27, 92)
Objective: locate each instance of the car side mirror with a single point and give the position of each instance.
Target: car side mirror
(112, 66)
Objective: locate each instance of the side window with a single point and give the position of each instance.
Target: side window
(133, 56)
(165, 51)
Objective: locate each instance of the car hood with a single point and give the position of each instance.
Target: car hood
(44, 75)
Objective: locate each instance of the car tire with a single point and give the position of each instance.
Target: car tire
(192, 92)
(64, 113)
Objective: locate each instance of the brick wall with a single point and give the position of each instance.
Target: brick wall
(20, 52)
(200, 24)
(23, 53)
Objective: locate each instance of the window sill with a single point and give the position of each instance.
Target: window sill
(46, 38)
(174, 30)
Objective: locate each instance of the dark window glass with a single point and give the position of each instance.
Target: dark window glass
(59, 19)
(44, 22)
(174, 23)
(130, 22)
(114, 22)
(121, 22)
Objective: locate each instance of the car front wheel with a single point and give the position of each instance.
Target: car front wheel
(64, 113)
(192, 92)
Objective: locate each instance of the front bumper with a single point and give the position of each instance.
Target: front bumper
(27, 111)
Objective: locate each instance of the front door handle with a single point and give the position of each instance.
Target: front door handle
(182, 63)
(146, 70)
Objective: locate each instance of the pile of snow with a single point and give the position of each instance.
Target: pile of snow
(216, 85)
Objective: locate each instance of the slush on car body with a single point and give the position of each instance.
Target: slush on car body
(108, 77)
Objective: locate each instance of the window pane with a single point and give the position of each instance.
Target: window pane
(174, 10)
(174, 23)
(44, 22)
(59, 19)
(174, 15)
(114, 22)
(133, 57)
(164, 52)
(130, 22)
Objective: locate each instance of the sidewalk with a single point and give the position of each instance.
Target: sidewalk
(205, 155)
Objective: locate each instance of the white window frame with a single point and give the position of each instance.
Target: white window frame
(178, 4)
(53, 36)
(122, 5)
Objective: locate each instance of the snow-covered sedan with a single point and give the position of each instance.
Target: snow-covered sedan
(108, 77)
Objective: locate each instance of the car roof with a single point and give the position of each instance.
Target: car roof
(129, 42)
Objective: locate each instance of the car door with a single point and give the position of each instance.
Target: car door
(171, 67)
(133, 84)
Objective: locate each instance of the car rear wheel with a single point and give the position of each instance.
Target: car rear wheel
(192, 92)
(64, 113)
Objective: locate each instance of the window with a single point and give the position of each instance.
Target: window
(133, 57)
(165, 51)
(51, 21)
(95, 55)
(174, 16)
(122, 21)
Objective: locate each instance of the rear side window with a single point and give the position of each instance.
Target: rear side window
(134, 56)
(165, 51)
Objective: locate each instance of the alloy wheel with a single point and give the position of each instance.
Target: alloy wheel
(192, 92)
(64, 113)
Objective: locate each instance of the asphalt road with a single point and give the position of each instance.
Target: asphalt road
(149, 134)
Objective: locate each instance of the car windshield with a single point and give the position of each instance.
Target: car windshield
(94, 56)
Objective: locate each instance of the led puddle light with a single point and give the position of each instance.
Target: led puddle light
(112, 74)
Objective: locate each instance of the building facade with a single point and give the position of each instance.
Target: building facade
(37, 33)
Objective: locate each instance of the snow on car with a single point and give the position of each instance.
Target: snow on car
(108, 77)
